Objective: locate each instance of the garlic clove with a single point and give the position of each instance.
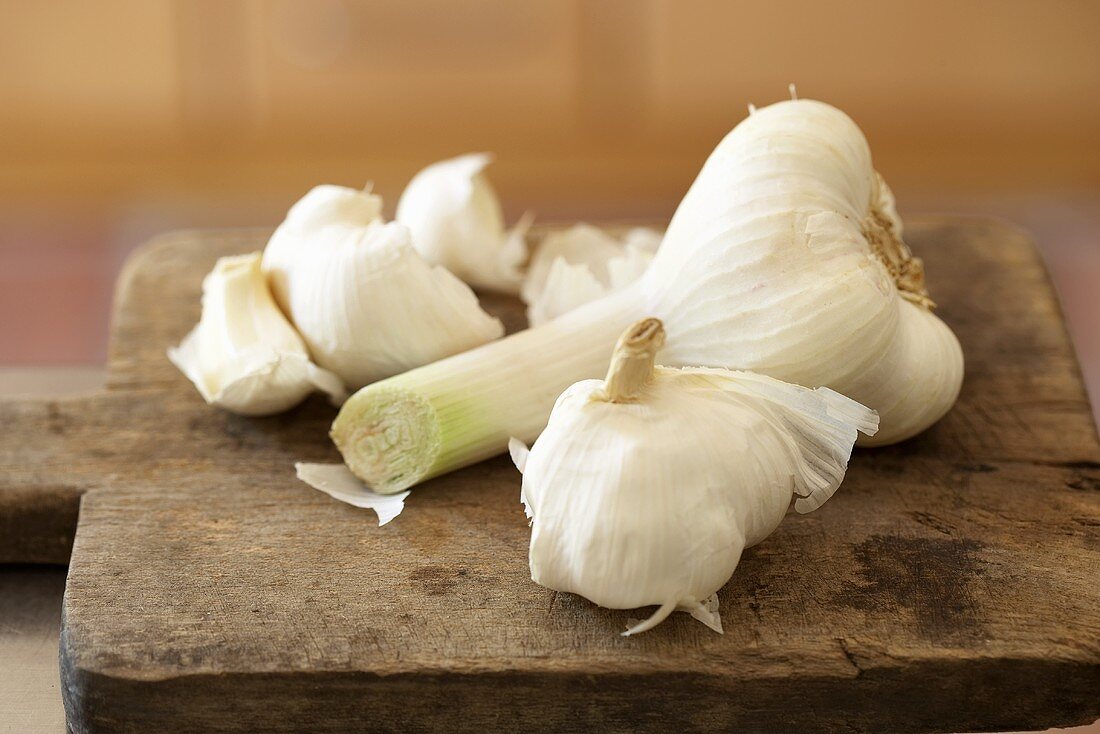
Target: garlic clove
(338, 482)
(456, 221)
(567, 287)
(582, 264)
(646, 486)
(244, 355)
(645, 239)
(366, 303)
(581, 244)
(322, 206)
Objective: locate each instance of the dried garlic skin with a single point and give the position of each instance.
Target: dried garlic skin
(244, 356)
(366, 303)
(652, 499)
(456, 221)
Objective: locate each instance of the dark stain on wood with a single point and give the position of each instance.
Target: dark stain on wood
(930, 578)
(436, 580)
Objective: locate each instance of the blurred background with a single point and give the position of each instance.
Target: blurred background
(120, 119)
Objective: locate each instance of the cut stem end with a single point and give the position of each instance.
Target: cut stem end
(389, 438)
(632, 361)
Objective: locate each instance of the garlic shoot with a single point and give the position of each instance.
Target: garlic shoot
(456, 221)
(785, 257)
(243, 355)
(581, 264)
(337, 482)
(366, 303)
(646, 486)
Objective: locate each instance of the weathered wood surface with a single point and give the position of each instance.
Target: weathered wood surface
(953, 583)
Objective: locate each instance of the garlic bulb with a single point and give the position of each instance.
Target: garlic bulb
(785, 257)
(244, 356)
(457, 222)
(581, 264)
(366, 303)
(646, 486)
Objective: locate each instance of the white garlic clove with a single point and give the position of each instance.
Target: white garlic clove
(646, 486)
(337, 481)
(582, 264)
(322, 206)
(567, 287)
(456, 221)
(645, 239)
(366, 303)
(243, 355)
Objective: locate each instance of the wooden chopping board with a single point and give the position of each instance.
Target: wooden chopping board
(953, 583)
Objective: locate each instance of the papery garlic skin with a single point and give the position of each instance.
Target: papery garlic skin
(456, 221)
(582, 264)
(366, 303)
(785, 257)
(337, 481)
(652, 499)
(244, 356)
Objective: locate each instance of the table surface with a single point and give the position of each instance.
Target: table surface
(964, 568)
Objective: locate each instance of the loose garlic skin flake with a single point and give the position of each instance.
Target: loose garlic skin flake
(456, 221)
(646, 487)
(366, 303)
(244, 356)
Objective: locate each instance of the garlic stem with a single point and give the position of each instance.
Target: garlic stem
(463, 409)
(632, 361)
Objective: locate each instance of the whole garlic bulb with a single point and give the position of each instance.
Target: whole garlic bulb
(366, 303)
(786, 257)
(456, 221)
(244, 355)
(646, 487)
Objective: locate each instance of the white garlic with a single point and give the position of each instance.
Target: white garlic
(456, 221)
(785, 257)
(322, 206)
(366, 303)
(582, 264)
(244, 355)
(646, 487)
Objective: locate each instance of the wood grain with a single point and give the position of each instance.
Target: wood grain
(951, 584)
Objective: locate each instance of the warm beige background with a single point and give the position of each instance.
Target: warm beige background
(601, 106)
